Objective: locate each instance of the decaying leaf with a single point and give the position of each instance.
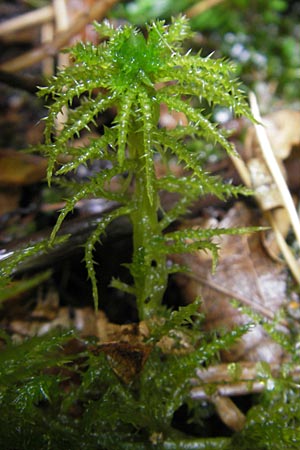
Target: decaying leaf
(19, 169)
(126, 360)
(282, 128)
(245, 272)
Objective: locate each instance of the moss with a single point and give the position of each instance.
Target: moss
(51, 398)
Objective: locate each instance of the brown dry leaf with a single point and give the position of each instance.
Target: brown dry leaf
(111, 332)
(171, 119)
(19, 169)
(9, 199)
(126, 360)
(283, 131)
(41, 321)
(123, 345)
(244, 272)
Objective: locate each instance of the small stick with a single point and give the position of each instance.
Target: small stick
(244, 174)
(202, 6)
(46, 36)
(29, 19)
(285, 249)
(274, 168)
(97, 12)
(248, 381)
(62, 21)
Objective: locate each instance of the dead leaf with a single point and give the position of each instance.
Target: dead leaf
(126, 360)
(244, 272)
(283, 130)
(266, 190)
(9, 199)
(19, 169)
(171, 119)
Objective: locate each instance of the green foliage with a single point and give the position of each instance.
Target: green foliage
(18, 257)
(261, 37)
(52, 397)
(58, 391)
(136, 75)
(275, 422)
(15, 288)
(222, 17)
(139, 11)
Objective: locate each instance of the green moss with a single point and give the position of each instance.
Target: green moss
(58, 391)
(135, 75)
(51, 398)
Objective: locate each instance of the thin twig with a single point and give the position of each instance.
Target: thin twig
(245, 176)
(97, 12)
(273, 166)
(285, 249)
(248, 381)
(30, 19)
(202, 6)
(242, 170)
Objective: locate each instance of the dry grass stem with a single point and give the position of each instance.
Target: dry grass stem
(282, 187)
(97, 12)
(202, 6)
(30, 19)
(285, 249)
(273, 166)
(220, 375)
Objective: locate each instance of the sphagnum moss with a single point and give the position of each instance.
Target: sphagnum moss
(135, 75)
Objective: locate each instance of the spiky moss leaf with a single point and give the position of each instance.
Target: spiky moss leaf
(209, 79)
(209, 130)
(124, 287)
(86, 53)
(122, 122)
(210, 184)
(196, 189)
(177, 32)
(91, 242)
(93, 151)
(20, 362)
(95, 187)
(162, 395)
(149, 126)
(78, 119)
(18, 257)
(12, 289)
(278, 333)
(272, 425)
(71, 83)
(190, 240)
(170, 321)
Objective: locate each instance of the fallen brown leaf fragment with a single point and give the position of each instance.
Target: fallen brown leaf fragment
(19, 169)
(244, 272)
